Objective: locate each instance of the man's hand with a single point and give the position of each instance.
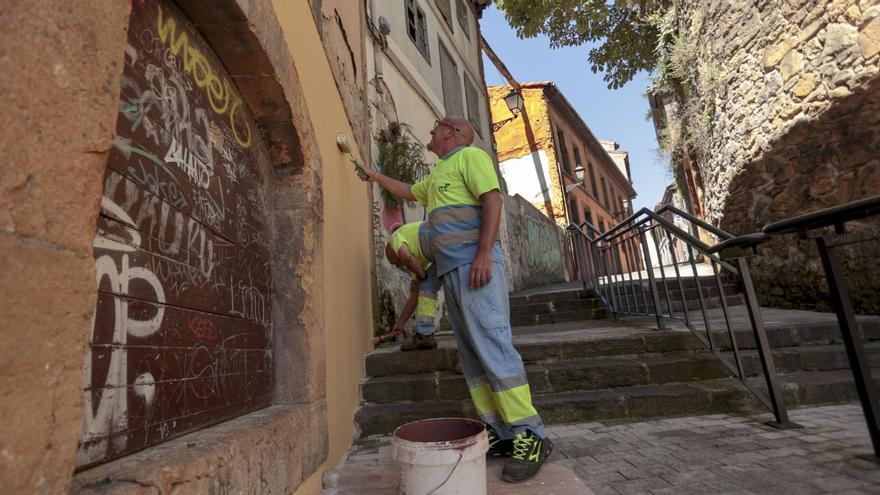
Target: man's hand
(365, 172)
(397, 329)
(481, 270)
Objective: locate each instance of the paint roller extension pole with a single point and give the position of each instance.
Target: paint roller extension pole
(342, 143)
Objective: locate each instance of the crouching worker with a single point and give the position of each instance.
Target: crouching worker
(404, 250)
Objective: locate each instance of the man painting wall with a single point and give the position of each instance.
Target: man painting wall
(464, 203)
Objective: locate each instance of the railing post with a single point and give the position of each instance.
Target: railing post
(731, 334)
(577, 252)
(767, 364)
(699, 288)
(684, 308)
(652, 283)
(635, 257)
(853, 340)
(610, 287)
(615, 253)
(655, 236)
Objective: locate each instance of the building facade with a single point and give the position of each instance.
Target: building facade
(548, 155)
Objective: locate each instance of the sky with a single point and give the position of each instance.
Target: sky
(616, 114)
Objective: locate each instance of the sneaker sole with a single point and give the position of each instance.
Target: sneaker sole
(546, 456)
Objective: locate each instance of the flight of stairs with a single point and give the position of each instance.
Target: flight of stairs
(583, 367)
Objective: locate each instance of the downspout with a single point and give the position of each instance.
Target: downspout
(379, 44)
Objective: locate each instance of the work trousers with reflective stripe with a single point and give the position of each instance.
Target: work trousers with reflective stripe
(492, 367)
(426, 308)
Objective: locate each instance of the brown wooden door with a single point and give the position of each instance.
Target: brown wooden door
(181, 335)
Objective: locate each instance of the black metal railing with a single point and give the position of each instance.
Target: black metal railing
(619, 267)
(815, 226)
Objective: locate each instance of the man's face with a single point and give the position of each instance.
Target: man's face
(440, 136)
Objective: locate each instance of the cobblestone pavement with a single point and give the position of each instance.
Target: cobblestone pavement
(723, 454)
(712, 454)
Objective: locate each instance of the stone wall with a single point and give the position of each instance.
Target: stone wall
(61, 69)
(786, 97)
(537, 246)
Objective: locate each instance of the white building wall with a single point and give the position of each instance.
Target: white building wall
(402, 55)
(524, 177)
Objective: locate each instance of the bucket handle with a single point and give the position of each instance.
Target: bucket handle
(431, 492)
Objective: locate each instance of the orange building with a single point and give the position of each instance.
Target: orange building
(548, 155)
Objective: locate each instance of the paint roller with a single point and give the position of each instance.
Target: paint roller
(342, 143)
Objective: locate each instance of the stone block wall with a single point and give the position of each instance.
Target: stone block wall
(790, 99)
(61, 69)
(537, 246)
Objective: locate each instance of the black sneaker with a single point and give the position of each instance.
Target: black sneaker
(497, 446)
(529, 453)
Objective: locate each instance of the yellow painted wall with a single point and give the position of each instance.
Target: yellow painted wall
(346, 243)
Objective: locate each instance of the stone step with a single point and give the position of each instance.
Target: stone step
(690, 292)
(543, 297)
(692, 304)
(558, 317)
(527, 309)
(390, 361)
(636, 402)
(603, 373)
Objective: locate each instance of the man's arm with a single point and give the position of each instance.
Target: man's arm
(481, 269)
(410, 261)
(398, 188)
(408, 309)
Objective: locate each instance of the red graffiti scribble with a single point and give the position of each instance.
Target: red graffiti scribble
(203, 329)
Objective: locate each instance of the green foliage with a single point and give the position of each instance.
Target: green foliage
(628, 39)
(401, 157)
(384, 314)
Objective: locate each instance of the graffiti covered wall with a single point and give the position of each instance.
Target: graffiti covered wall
(537, 246)
(182, 325)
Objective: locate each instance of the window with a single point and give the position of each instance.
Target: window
(588, 216)
(573, 211)
(562, 150)
(461, 11)
(445, 7)
(605, 193)
(593, 181)
(473, 103)
(416, 28)
(601, 225)
(578, 168)
(451, 84)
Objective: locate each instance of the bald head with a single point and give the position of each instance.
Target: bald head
(465, 133)
(450, 133)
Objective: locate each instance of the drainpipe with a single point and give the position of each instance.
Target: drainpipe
(379, 44)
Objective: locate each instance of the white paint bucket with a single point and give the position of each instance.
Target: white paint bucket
(444, 456)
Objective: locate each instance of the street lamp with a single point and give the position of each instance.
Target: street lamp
(514, 101)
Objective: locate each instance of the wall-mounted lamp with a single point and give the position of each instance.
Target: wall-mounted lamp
(514, 101)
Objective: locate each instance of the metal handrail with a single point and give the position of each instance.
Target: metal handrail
(611, 264)
(811, 226)
(721, 234)
(836, 216)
